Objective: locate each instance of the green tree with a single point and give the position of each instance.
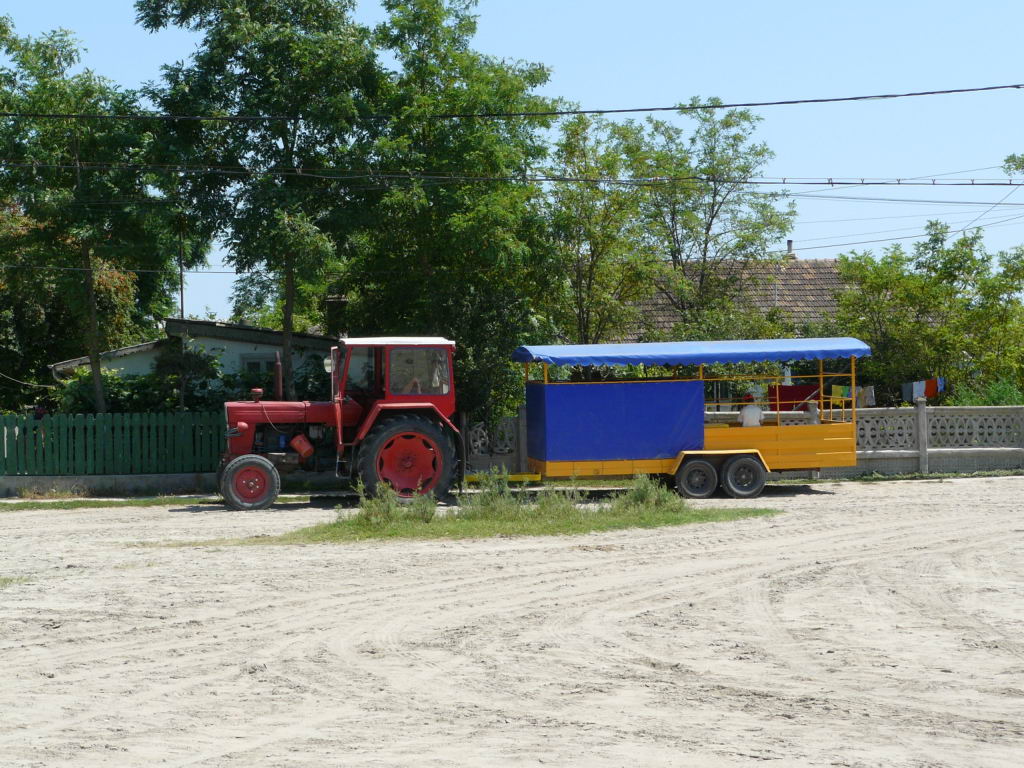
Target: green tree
(606, 264)
(97, 246)
(455, 243)
(706, 224)
(305, 61)
(949, 308)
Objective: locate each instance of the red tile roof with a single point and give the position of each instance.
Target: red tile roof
(804, 290)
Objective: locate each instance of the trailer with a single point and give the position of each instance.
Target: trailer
(669, 409)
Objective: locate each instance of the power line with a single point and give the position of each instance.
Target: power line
(337, 174)
(172, 271)
(915, 201)
(1001, 201)
(987, 225)
(501, 115)
(26, 383)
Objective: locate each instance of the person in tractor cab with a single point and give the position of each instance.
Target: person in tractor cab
(421, 371)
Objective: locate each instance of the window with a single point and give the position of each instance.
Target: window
(258, 363)
(419, 371)
(362, 375)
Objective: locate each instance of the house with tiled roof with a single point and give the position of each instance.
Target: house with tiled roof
(803, 290)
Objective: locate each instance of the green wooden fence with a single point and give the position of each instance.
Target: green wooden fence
(111, 443)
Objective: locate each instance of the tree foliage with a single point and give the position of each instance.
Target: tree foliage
(455, 241)
(87, 231)
(948, 308)
(606, 264)
(280, 212)
(704, 222)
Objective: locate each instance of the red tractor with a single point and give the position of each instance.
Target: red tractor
(389, 422)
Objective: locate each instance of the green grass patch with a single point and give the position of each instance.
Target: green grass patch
(9, 581)
(497, 511)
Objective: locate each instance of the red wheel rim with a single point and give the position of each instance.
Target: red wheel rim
(251, 483)
(410, 463)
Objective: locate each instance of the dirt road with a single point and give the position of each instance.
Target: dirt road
(869, 624)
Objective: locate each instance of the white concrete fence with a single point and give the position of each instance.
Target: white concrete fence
(890, 441)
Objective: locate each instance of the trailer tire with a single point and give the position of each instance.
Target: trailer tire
(412, 454)
(743, 477)
(250, 482)
(696, 479)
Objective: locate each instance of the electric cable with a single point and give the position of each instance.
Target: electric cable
(502, 115)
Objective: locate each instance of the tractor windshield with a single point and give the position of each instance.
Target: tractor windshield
(418, 371)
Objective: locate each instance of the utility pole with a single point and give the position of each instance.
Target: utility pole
(181, 266)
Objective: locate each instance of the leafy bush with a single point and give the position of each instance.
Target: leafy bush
(647, 494)
(1002, 391)
(384, 508)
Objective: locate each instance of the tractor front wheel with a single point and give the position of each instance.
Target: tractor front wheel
(249, 482)
(411, 454)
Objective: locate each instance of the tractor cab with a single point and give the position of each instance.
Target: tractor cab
(389, 374)
(390, 422)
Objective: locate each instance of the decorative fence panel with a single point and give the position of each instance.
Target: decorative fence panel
(886, 429)
(111, 443)
(982, 427)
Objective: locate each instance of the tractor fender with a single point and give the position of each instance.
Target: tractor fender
(720, 455)
(378, 408)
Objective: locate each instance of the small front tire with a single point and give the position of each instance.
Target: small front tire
(250, 482)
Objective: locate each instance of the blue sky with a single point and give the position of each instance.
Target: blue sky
(607, 54)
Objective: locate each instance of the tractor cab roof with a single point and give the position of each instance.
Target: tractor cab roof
(405, 341)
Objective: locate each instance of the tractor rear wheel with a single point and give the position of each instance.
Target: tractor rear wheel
(249, 482)
(411, 454)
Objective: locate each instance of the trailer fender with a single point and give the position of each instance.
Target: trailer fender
(683, 455)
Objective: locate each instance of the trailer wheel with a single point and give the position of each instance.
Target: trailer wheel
(411, 454)
(696, 478)
(743, 477)
(250, 482)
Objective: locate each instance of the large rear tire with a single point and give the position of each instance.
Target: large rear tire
(250, 482)
(411, 454)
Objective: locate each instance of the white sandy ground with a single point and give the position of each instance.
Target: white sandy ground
(869, 625)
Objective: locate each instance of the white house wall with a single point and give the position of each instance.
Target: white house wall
(234, 354)
(135, 364)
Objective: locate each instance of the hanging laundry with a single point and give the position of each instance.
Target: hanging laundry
(907, 392)
(931, 387)
(865, 397)
(918, 390)
(942, 384)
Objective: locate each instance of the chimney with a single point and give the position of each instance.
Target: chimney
(790, 253)
(334, 315)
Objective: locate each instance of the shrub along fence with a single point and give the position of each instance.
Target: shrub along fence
(111, 443)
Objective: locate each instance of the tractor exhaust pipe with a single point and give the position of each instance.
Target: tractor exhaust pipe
(278, 379)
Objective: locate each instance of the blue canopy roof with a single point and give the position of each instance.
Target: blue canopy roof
(692, 352)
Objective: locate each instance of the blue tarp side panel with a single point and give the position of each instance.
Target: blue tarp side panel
(693, 352)
(609, 421)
